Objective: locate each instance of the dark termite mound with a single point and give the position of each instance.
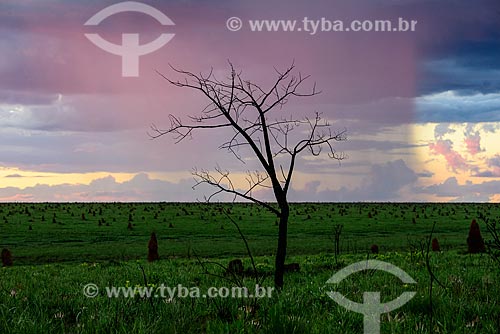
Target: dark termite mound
(153, 248)
(475, 241)
(292, 267)
(235, 267)
(435, 245)
(6, 258)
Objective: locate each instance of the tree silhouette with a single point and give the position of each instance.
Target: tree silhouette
(246, 108)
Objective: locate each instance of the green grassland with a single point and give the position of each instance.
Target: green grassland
(58, 248)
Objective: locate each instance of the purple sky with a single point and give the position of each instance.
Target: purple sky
(422, 108)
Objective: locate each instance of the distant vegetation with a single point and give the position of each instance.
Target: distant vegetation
(43, 233)
(58, 248)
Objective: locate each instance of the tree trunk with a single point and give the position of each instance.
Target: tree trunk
(282, 243)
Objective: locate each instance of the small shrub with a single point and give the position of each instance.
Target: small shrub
(493, 245)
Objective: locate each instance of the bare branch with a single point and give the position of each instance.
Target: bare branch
(243, 106)
(223, 184)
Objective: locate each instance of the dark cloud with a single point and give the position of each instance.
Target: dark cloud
(493, 167)
(464, 192)
(425, 173)
(460, 55)
(74, 113)
(442, 129)
(369, 82)
(382, 145)
(491, 127)
(450, 107)
(382, 183)
(141, 188)
(487, 173)
(26, 98)
(469, 68)
(21, 176)
(461, 46)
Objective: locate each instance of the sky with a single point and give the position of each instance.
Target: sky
(421, 108)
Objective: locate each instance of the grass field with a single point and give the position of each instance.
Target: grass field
(59, 248)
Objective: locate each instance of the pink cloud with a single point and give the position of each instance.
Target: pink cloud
(17, 198)
(453, 158)
(473, 143)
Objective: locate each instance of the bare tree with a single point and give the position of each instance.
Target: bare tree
(245, 108)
